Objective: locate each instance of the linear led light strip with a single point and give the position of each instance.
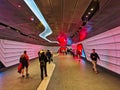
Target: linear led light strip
(31, 4)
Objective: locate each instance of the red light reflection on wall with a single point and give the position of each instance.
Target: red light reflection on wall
(79, 49)
(83, 34)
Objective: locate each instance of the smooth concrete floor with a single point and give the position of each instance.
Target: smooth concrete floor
(10, 79)
(69, 74)
(77, 74)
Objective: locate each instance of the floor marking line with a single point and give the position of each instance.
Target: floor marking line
(43, 85)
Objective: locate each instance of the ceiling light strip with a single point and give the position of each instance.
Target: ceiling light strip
(31, 4)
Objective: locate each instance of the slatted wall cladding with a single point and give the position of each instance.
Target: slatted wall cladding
(10, 51)
(107, 45)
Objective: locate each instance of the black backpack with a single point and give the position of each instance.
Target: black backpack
(22, 59)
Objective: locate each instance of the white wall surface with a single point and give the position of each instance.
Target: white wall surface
(52, 48)
(10, 51)
(107, 45)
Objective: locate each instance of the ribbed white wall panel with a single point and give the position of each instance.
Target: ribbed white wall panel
(10, 51)
(107, 45)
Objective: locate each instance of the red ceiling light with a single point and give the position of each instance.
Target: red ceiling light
(83, 34)
(62, 39)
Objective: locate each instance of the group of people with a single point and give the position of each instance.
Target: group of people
(45, 57)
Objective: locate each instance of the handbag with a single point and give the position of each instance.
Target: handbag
(19, 68)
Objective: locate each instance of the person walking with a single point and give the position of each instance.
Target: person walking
(43, 65)
(94, 56)
(49, 55)
(24, 59)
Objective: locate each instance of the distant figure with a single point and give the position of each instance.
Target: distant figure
(94, 56)
(49, 55)
(24, 59)
(68, 51)
(43, 64)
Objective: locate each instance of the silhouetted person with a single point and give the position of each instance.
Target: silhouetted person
(49, 55)
(94, 56)
(43, 64)
(24, 59)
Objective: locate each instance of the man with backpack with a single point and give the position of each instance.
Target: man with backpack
(43, 64)
(24, 60)
(49, 55)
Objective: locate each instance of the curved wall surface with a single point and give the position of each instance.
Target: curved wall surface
(10, 51)
(107, 45)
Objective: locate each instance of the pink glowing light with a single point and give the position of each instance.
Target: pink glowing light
(83, 34)
(62, 39)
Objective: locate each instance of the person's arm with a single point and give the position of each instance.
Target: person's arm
(91, 55)
(39, 58)
(27, 58)
(98, 56)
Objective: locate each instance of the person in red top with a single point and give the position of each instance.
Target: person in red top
(25, 63)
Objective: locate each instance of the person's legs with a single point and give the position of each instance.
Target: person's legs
(27, 70)
(45, 68)
(94, 65)
(41, 68)
(27, 74)
(49, 59)
(22, 71)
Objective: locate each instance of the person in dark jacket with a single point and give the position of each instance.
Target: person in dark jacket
(49, 55)
(94, 56)
(43, 64)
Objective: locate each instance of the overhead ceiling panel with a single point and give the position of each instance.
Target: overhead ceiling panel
(63, 16)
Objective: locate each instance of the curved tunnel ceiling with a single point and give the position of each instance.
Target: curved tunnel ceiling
(62, 16)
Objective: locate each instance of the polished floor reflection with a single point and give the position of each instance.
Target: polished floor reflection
(77, 74)
(69, 74)
(10, 79)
